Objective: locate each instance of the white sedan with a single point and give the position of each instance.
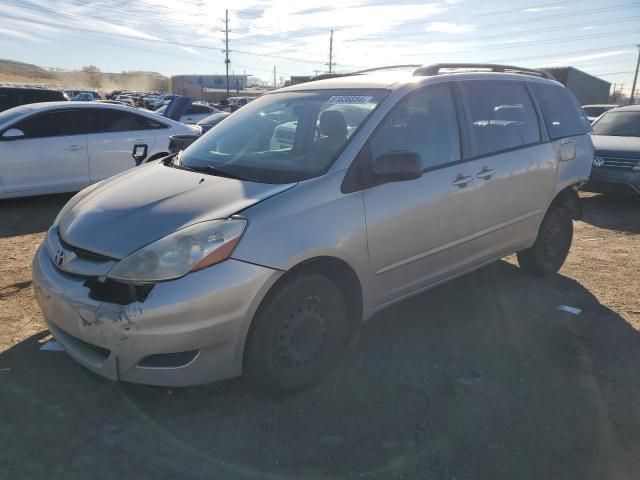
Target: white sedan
(57, 147)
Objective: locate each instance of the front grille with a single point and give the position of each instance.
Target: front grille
(626, 163)
(82, 253)
(112, 291)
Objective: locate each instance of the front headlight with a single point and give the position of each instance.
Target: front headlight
(189, 249)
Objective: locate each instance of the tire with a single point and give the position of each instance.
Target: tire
(297, 334)
(548, 253)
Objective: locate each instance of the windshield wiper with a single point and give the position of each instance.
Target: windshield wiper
(211, 170)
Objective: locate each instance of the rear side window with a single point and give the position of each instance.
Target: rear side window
(502, 116)
(562, 113)
(104, 121)
(423, 122)
(52, 124)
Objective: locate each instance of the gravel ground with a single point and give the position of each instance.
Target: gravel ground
(482, 378)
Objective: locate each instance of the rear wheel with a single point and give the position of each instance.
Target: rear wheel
(297, 334)
(552, 245)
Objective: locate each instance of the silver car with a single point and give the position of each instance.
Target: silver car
(245, 255)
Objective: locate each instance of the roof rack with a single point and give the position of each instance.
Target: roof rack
(427, 70)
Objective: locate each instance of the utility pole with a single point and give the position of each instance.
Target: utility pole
(635, 78)
(331, 52)
(316, 72)
(226, 47)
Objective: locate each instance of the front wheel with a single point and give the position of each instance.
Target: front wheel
(297, 334)
(552, 245)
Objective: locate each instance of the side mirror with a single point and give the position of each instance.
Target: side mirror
(397, 166)
(13, 134)
(139, 153)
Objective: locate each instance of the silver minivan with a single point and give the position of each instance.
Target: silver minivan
(260, 248)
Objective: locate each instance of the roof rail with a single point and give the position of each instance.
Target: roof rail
(387, 67)
(324, 76)
(434, 69)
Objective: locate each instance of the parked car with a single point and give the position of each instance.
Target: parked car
(115, 102)
(66, 146)
(211, 121)
(86, 94)
(616, 161)
(193, 112)
(15, 96)
(237, 258)
(239, 100)
(82, 97)
(594, 111)
(126, 100)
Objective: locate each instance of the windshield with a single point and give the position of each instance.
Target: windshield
(284, 137)
(618, 124)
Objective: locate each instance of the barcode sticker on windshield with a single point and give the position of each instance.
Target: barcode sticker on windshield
(349, 99)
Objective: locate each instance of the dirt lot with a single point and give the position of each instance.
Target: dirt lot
(482, 378)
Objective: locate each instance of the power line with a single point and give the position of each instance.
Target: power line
(500, 24)
(524, 9)
(526, 43)
(168, 42)
(616, 21)
(128, 47)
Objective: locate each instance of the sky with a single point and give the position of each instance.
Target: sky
(186, 36)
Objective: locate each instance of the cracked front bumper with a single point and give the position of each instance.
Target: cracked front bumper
(208, 311)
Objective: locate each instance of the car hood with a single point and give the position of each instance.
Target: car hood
(624, 147)
(133, 209)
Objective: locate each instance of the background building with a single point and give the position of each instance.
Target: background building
(588, 89)
(193, 85)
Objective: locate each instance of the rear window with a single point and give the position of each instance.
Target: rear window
(562, 113)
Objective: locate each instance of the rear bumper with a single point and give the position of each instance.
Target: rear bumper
(206, 314)
(609, 180)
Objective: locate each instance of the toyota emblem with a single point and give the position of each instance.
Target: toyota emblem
(598, 162)
(59, 258)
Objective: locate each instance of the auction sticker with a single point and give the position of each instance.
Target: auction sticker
(349, 99)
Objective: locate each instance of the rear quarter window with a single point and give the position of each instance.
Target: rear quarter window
(562, 113)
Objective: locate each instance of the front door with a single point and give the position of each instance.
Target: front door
(51, 157)
(418, 230)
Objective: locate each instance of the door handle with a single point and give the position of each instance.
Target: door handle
(74, 148)
(462, 181)
(486, 173)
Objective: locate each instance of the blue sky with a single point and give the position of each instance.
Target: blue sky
(184, 36)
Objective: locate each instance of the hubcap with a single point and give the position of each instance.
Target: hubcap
(301, 337)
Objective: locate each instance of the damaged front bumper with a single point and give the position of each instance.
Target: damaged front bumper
(185, 332)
